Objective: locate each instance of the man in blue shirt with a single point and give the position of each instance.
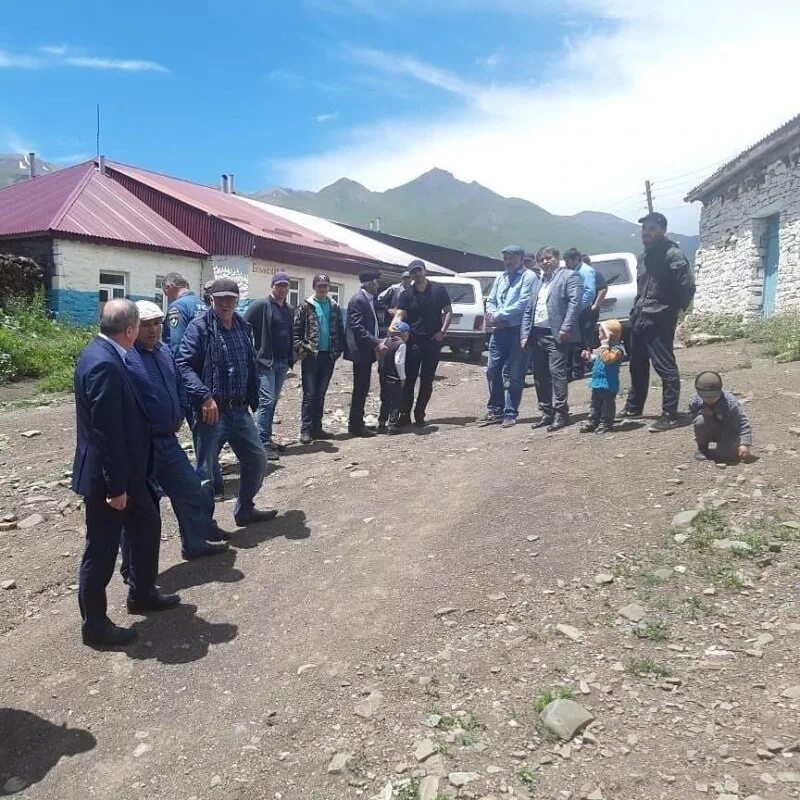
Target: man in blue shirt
(218, 363)
(183, 307)
(160, 386)
(576, 366)
(505, 368)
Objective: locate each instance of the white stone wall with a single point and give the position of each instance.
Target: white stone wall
(730, 261)
(78, 266)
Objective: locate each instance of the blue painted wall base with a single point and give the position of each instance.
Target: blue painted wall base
(70, 305)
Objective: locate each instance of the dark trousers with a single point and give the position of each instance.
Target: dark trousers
(603, 407)
(422, 359)
(587, 325)
(708, 431)
(651, 340)
(362, 374)
(316, 372)
(141, 522)
(550, 372)
(391, 399)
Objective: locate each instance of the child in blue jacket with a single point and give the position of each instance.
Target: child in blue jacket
(604, 381)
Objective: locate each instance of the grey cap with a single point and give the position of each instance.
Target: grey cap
(417, 263)
(514, 249)
(708, 384)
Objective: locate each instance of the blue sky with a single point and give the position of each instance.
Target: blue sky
(552, 101)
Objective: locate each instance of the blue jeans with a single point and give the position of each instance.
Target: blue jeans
(316, 371)
(235, 426)
(219, 481)
(270, 383)
(505, 372)
(175, 475)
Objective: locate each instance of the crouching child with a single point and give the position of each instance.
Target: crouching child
(392, 374)
(719, 418)
(604, 381)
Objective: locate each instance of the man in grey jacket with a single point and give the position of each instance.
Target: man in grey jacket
(549, 325)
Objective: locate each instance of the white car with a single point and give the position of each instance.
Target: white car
(465, 334)
(619, 270)
(485, 279)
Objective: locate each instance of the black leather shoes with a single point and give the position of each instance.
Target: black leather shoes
(210, 550)
(629, 413)
(153, 602)
(321, 434)
(255, 516)
(111, 636)
(361, 433)
(560, 421)
(218, 535)
(544, 422)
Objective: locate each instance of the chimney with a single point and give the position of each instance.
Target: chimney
(377, 223)
(230, 184)
(224, 184)
(372, 224)
(101, 165)
(32, 164)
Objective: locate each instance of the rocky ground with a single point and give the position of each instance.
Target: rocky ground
(464, 612)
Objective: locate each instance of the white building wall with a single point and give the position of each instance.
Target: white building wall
(730, 261)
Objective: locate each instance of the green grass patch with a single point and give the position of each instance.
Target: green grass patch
(780, 335)
(527, 777)
(644, 667)
(653, 631)
(553, 693)
(709, 524)
(731, 326)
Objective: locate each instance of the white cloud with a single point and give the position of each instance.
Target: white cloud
(662, 91)
(54, 56)
(323, 118)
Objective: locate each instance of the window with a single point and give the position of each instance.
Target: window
(112, 287)
(333, 292)
(295, 293)
(615, 271)
(460, 293)
(158, 297)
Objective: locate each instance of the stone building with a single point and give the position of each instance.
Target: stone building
(102, 230)
(749, 257)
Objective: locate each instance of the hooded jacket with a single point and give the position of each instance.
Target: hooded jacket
(305, 332)
(664, 280)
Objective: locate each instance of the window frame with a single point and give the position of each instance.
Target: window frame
(113, 289)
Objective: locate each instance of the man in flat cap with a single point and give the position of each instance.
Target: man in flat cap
(505, 368)
(364, 345)
(665, 286)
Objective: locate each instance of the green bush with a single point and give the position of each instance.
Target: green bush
(780, 334)
(19, 277)
(731, 326)
(34, 345)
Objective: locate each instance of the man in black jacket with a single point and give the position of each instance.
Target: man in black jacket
(665, 286)
(363, 347)
(271, 319)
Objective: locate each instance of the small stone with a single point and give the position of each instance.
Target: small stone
(216, 780)
(368, 707)
(570, 632)
(14, 784)
(791, 524)
(731, 545)
(141, 749)
(432, 720)
(680, 538)
(359, 473)
(425, 749)
(443, 612)
(305, 668)
(30, 522)
(680, 569)
(632, 612)
(30, 434)
(339, 763)
(595, 794)
(683, 519)
(603, 579)
(792, 693)
(7, 526)
(765, 755)
(565, 718)
(773, 745)
(429, 787)
(9, 584)
(793, 431)
(662, 574)
(459, 779)
(788, 777)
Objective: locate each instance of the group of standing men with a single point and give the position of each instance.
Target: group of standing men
(547, 317)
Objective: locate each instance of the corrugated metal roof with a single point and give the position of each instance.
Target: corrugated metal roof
(778, 137)
(78, 201)
(239, 212)
(331, 230)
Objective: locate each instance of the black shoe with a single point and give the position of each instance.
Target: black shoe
(604, 428)
(382, 428)
(205, 552)
(305, 437)
(111, 636)
(277, 446)
(153, 602)
(272, 453)
(702, 454)
(404, 420)
(544, 422)
(419, 421)
(393, 430)
(666, 422)
(630, 413)
(216, 534)
(490, 418)
(560, 421)
(256, 516)
(589, 426)
(321, 434)
(361, 433)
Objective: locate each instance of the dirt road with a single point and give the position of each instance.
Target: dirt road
(398, 623)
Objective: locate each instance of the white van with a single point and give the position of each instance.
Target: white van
(465, 334)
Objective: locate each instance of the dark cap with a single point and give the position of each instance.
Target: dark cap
(514, 249)
(416, 264)
(654, 216)
(369, 275)
(224, 287)
(281, 277)
(406, 274)
(708, 384)
(322, 278)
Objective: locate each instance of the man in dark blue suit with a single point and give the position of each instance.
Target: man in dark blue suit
(363, 347)
(111, 472)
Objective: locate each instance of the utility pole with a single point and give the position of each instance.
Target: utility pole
(648, 188)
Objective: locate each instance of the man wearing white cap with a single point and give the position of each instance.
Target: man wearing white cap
(160, 386)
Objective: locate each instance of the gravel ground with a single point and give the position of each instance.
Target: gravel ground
(396, 630)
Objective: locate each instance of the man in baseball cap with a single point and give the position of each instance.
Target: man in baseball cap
(160, 387)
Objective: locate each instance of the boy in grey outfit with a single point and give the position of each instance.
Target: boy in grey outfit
(719, 417)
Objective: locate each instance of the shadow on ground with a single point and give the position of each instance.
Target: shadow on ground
(216, 569)
(291, 525)
(31, 746)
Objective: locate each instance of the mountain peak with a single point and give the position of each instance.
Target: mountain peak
(345, 185)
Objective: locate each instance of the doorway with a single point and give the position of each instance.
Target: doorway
(771, 259)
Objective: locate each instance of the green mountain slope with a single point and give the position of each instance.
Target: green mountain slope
(437, 207)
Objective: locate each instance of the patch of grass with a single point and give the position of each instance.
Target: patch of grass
(410, 791)
(756, 541)
(731, 326)
(780, 335)
(725, 575)
(432, 688)
(653, 631)
(34, 345)
(472, 722)
(553, 693)
(709, 524)
(746, 364)
(642, 667)
(527, 777)
(696, 607)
